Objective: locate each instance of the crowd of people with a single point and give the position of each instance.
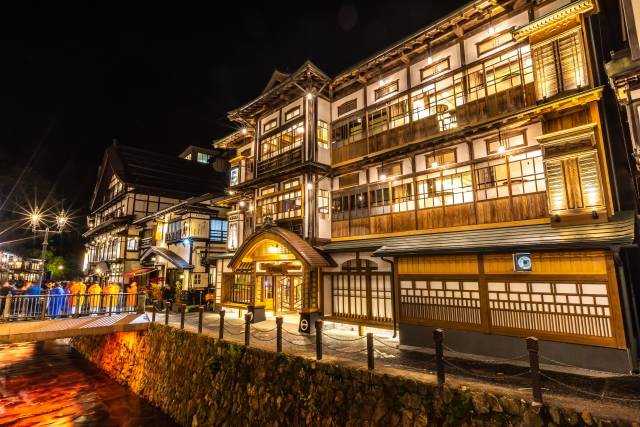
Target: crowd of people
(68, 297)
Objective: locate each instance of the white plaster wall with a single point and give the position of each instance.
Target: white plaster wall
(453, 52)
(470, 49)
(296, 103)
(267, 118)
(358, 95)
(324, 220)
(400, 75)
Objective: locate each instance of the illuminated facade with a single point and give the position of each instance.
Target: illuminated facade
(15, 267)
(459, 179)
(132, 188)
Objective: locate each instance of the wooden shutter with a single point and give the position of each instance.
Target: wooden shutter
(590, 180)
(571, 61)
(555, 185)
(546, 73)
(572, 183)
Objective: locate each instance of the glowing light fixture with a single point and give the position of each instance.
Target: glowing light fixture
(98, 270)
(241, 203)
(60, 267)
(381, 82)
(244, 131)
(501, 149)
(272, 249)
(383, 177)
(62, 219)
(309, 186)
(309, 96)
(434, 165)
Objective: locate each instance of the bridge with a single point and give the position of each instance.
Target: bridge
(45, 317)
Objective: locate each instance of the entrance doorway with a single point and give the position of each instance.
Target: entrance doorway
(282, 293)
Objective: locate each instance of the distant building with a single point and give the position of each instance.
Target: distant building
(15, 267)
(462, 178)
(133, 184)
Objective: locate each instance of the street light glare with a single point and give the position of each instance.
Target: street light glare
(62, 219)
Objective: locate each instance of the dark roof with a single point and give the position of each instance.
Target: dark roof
(291, 240)
(170, 256)
(109, 224)
(619, 231)
(156, 173)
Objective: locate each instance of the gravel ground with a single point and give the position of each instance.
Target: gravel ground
(597, 389)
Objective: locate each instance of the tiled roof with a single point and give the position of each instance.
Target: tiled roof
(619, 231)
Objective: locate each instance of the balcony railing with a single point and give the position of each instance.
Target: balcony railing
(279, 161)
(146, 242)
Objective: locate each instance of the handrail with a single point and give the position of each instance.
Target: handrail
(47, 306)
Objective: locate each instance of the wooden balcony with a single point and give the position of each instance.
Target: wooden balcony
(468, 114)
(237, 293)
(506, 209)
(278, 161)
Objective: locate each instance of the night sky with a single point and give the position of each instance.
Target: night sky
(73, 78)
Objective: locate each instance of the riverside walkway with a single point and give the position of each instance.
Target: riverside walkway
(25, 318)
(604, 392)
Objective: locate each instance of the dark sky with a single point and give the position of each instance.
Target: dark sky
(73, 78)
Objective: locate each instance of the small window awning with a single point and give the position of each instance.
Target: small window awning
(244, 267)
(168, 255)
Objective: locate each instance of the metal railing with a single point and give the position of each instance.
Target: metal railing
(40, 307)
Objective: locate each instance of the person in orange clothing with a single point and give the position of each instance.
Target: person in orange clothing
(77, 290)
(132, 297)
(94, 298)
(113, 295)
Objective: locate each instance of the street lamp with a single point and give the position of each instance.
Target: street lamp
(36, 218)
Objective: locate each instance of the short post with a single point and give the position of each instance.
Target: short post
(142, 300)
(370, 358)
(77, 305)
(200, 313)
(166, 312)
(438, 337)
(183, 308)
(45, 305)
(318, 339)
(221, 332)
(247, 328)
(534, 366)
(279, 320)
(153, 313)
(7, 307)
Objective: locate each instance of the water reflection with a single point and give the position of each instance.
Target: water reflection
(49, 383)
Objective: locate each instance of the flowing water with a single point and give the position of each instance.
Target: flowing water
(49, 383)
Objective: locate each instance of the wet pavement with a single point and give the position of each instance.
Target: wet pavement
(343, 342)
(50, 384)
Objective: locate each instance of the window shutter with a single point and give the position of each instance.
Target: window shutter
(590, 180)
(572, 183)
(571, 61)
(546, 74)
(555, 185)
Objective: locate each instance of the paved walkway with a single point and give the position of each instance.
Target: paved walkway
(40, 330)
(599, 389)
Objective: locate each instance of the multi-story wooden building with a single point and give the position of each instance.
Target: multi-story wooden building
(461, 178)
(15, 267)
(135, 185)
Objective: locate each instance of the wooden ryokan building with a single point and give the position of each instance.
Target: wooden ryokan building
(462, 178)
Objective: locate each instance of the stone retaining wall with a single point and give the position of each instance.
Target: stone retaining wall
(199, 381)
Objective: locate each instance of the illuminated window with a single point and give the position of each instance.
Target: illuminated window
(347, 131)
(291, 183)
(132, 244)
(574, 183)
(323, 201)
(234, 176)
(203, 158)
(271, 124)
(559, 64)
(445, 187)
(385, 90)
(440, 158)
(494, 42)
(218, 230)
(291, 114)
(390, 170)
(435, 68)
(232, 242)
(509, 140)
(322, 130)
(402, 196)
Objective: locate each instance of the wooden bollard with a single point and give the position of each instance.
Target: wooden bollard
(200, 314)
(318, 339)
(183, 308)
(166, 312)
(534, 366)
(438, 337)
(279, 321)
(370, 355)
(221, 331)
(247, 328)
(153, 313)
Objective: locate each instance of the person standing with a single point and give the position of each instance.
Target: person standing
(33, 291)
(95, 292)
(5, 291)
(132, 296)
(56, 301)
(77, 290)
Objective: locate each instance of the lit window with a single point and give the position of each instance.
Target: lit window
(132, 244)
(494, 42)
(323, 201)
(232, 242)
(291, 114)
(271, 124)
(235, 175)
(435, 68)
(323, 134)
(203, 158)
(385, 90)
(218, 230)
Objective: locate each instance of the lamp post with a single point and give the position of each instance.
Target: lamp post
(35, 218)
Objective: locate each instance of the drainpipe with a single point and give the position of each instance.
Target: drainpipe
(628, 313)
(393, 294)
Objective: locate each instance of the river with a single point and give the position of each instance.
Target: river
(49, 383)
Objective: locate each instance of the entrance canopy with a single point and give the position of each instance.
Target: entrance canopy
(272, 243)
(168, 255)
